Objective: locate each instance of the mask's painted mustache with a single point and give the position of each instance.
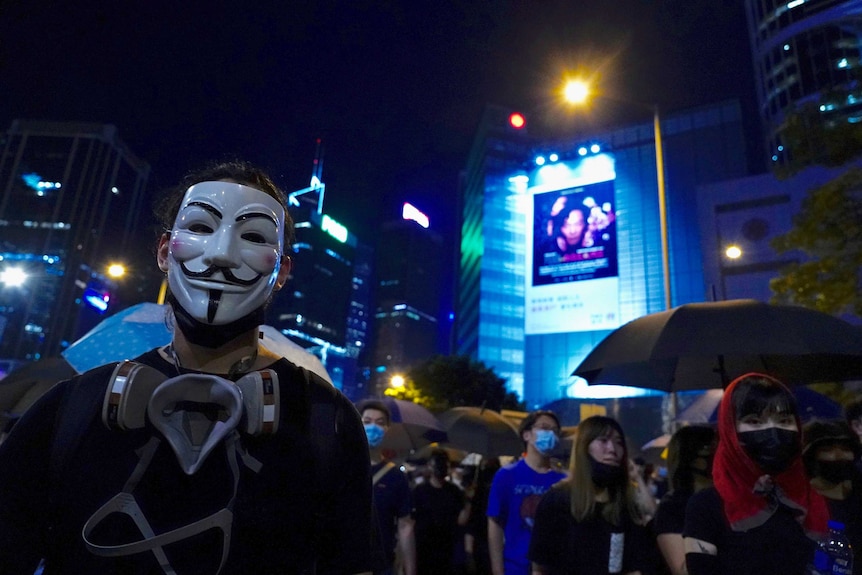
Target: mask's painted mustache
(228, 275)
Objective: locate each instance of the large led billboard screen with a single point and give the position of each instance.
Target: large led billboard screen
(573, 270)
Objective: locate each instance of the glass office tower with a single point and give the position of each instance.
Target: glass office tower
(532, 311)
(805, 51)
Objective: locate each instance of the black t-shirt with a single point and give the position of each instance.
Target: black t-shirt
(590, 547)
(392, 500)
(284, 518)
(436, 513)
(670, 515)
(777, 547)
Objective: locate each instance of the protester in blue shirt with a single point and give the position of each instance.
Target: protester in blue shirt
(515, 494)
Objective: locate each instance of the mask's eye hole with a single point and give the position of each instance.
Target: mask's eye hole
(254, 237)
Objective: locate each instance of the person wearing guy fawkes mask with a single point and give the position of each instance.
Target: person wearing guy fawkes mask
(761, 516)
(830, 454)
(207, 455)
(515, 493)
(440, 508)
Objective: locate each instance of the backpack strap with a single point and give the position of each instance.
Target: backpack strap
(81, 403)
(381, 472)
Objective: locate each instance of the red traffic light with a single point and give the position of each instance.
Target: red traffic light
(517, 120)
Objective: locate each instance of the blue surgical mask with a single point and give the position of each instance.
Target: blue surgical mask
(375, 434)
(546, 441)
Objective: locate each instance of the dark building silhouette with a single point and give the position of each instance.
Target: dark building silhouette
(71, 203)
(410, 261)
(324, 306)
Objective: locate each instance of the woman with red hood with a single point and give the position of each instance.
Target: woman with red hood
(762, 515)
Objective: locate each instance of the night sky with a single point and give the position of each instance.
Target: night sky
(394, 89)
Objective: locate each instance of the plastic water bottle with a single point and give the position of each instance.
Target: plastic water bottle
(834, 556)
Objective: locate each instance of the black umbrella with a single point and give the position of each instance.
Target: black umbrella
(705, 345)
(480, 430)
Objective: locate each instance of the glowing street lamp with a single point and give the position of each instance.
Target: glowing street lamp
(116, 270)
(397, 381)
(13, 277)
(733, 252)
(578, 92)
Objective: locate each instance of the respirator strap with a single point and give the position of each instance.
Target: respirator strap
(125, 502)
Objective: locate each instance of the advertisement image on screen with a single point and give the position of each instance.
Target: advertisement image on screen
(574, 234)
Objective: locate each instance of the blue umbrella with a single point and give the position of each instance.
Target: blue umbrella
(142, 327)
(809, 403)
(124, 335)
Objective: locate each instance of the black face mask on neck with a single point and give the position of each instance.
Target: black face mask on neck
(772, 449)
(213, 336)
(605, 475)
(835, 472)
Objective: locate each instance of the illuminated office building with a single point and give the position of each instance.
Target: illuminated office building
(71, 202)
(560, 240)
(805, 51)
(410, 259)
(324, 306)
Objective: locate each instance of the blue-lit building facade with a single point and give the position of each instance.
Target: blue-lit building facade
(71, 202)
(533, 312)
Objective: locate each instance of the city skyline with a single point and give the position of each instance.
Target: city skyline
(395, 92)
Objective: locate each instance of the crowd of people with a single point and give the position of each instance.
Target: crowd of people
(751, 495)
(213, 455)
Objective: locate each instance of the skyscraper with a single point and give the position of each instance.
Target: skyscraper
(805, 52)
(410, 261)
(325, 305)
(560, 240)
(71, 201)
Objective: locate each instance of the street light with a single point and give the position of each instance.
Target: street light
(733, 252)
(116, 270)
(578, 92)
(13, 277)
(397, 381)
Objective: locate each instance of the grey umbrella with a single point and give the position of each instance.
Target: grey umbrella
(705, 345)
(480, 430)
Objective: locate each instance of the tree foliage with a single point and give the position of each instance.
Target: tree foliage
(828, 232)
(812, 137)
(443, 382)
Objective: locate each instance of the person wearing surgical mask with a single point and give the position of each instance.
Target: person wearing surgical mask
(515, 493)
(393, 501)
(211, 454)
(830, 452)
(587, 524)
(761, 516)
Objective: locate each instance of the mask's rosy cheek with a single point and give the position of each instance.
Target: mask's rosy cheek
(261, 261)
(184, 249)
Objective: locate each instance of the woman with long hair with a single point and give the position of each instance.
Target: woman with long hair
(762, 516)
(586, 525)
(689, 465)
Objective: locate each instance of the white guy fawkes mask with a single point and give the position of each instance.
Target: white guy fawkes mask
(225, 251)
